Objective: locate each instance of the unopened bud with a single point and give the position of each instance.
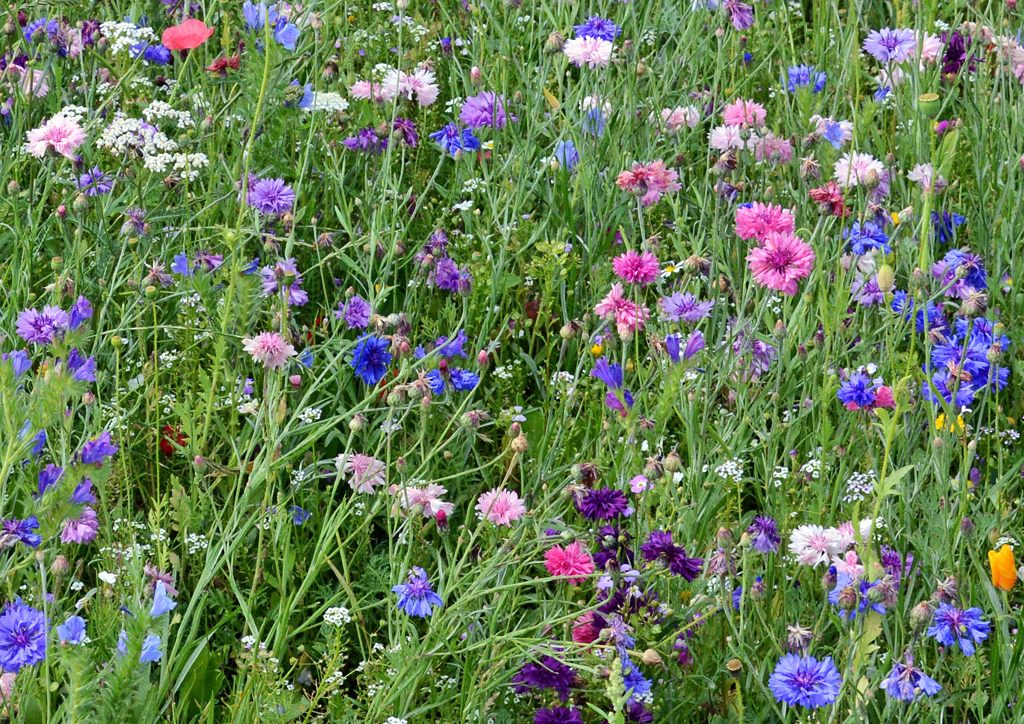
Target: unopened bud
(296, 381)
(80, 204)
(556, 43)
(88, 399)
(519, 444)
(848, 598)
(476, 77)
(673, 463)
(483, 360)
(651, 658)
(921, 615)
(60, 566)
(886, 278)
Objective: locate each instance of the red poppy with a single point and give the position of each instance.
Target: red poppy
(168, 434)
(190, 34)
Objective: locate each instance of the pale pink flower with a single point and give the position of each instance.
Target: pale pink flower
(929, 47)
(780, 262)
(744, 113)
(770, 148)
(74, 43)
(846, 535)
(63, 135)
(365, 472)
(724, 138)
(649, 181)
(813, 545)
(571, 562)
(269, 348)
(758, 220)
(7, 686)
(854, 168)
(848, 564)
(636, 268)
(891, 78)
(674, 119)
(427, 498)
(592, 52)
(32, 81)
(82, 529)
(501, 507)
(421, 83)
(366, 90)
(611, 303)
(924, 174)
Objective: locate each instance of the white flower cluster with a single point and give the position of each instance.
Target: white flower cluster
(160, 109)
(186, 164)
(859, 486)
(196, 542)
(74, 113)
(125, 135)
(309, 415)
(330, 102)
(337, 616)
(123, 36)
(729, 470)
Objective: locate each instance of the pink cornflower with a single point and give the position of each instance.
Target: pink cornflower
(31, 80)
(855, 168)
(629, 317)
(269, 348)
(366, 472)
(427, 498)
(724, 138)
(570, 562)
(812, 544)
(780, 262)
(366, 90)
(674, 119)
(929, 47)
(770, 148)
(848, 564)
(636, 268)
(758, 220)
(421, 82)
(744, 113)
(592, 52)
(82, 529)
(501, 507)
(884, 398)
(649, 181)
(829, 199)
(63, 135)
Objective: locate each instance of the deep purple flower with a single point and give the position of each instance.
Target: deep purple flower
(94, 451)
(48, 477)
(271, 196)
(208, 261)
(14, 531)
(356, 312)
(81, 368)
(82, 494)
(95, 182)
(367, 141)
(405, 131)
(659, 546)
(448, 276)
(548, 673)
(484, 110)
(42, 327)
(602, 503)
(764, 535)
(80, 311)
(557, 715)
(610, 374)
(740, 14)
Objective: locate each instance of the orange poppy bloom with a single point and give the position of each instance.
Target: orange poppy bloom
(1004, 570)
(189, 35)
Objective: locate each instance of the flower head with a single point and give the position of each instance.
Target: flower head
(484, 110)
(890, 46)
(597, 27)
(805, 681)
(453, 140)
(371, 358)
(757, 221)
(82, 529)
(1004, 569)
(42, 327)
(781, 262)
(61, 134)
(571, 562)
(416, 596)
(592, 52)
(189, 35)
(684, 307)
(269, 349)
(764, 534)
(649, 181)
(635, 268)
(501, 507)
(906, 683)
(271, 196)
(22, 636)
(954, 626)
(602, 503)
(366, 472)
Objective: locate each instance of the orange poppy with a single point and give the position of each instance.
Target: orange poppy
(1004, 570)
(189, 35)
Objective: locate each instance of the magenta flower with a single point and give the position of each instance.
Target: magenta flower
(636, 268)
(780, 262)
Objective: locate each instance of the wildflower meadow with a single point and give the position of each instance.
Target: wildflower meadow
(555, 362)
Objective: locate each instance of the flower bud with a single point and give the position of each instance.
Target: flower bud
(556, 44)
(199, 463)
(848, 598)
(80, 204)
(476, 77)
(828, 581)
(88, 399)
(651, 658)
(60, 566)
(886, 278)
(483, 361)
(13, 187)
(519, 444)
(921, 616)
(673, 463)
(296, 381)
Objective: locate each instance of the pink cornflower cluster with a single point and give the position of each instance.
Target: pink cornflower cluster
(629, 317)
(366, 473)
(636, 268)
(757, 221)
(649, 181)
(780, 262)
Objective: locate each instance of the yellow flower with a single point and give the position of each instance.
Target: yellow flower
(941, 424)
(895, 218)
(1004, 570)
(596, 350)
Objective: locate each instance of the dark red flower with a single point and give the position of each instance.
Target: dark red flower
(169, 434)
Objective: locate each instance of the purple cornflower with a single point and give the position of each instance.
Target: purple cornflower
(284, 276)
(764, 535)
(22, 636)
(97, 449)
(659, 546)
(740, 14)
(355, 312)
(805, 681)
(95, 182)
(859, 390)
(684, 307)
(597, 27)
(906, 683)
(454, 141)
(271, 196)
(864, 238)
(865, 291)
(405, 131)
(15, 531)
(42, 327)
(957, 626)
(557, 715)
(155, 275)
(484, 110)
(548, 673)
(602, 503)
(448, 276)
(965, 265)
(136, 222)
(367, 141)
(208, 261)
(415, 596)
(890, 46)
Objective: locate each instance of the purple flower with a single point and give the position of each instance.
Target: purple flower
(764, 535)
(890, 46)
(405, 131)
(271, 196)
(95, 450)
(15, 531)
(567, 155)
(20, 361)
(694, 344)
(42, 327)
(805, 681)
(597, 27)
(557, 715)
(151, 652)
(740, 14)
(602, 503)
(82, 369)
(548, 673)
(861, 588)
(82, 494)
(415, 596)
(162, 603)
(484, 110)
(95, 182)
(448, 276)
(48, 477)
(659, 546)
(72, 631)
(453, 140)
(208, 261)
(82, 529)
(610, 374)
(356, 313)
(284, 275)
(803, 76)
(953, 626)
(80, 311)
(865, 291)
(366, 140)
(684, 307)
(906, 683)
(22, 636)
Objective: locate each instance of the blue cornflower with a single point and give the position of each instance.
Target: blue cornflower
(636, 685)
(610, 374)
(594, 122)
(803, 76)
(906, 683)
(966, 265)
(299, 515)
(864, 238)
(157, 54)
(834, 134)
(80, 311)
(22, 636)
(944, 383)
(597, 27)
(287, 34)
(49, 26)
(567, 155)
(14, 530)
(858, 390)
(415, 596)
(162, 603)
(72, 631)
(957, 626)
(305, 359)
(805, 681)
(452, 140)
(453, 347)
(945, 226)
(256, 16)
(371, 359)
(458, 379)
(861, 587)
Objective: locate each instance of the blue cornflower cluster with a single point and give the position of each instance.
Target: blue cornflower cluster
(258, 16)
(804, 76)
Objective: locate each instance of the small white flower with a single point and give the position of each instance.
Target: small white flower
(109, 578)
